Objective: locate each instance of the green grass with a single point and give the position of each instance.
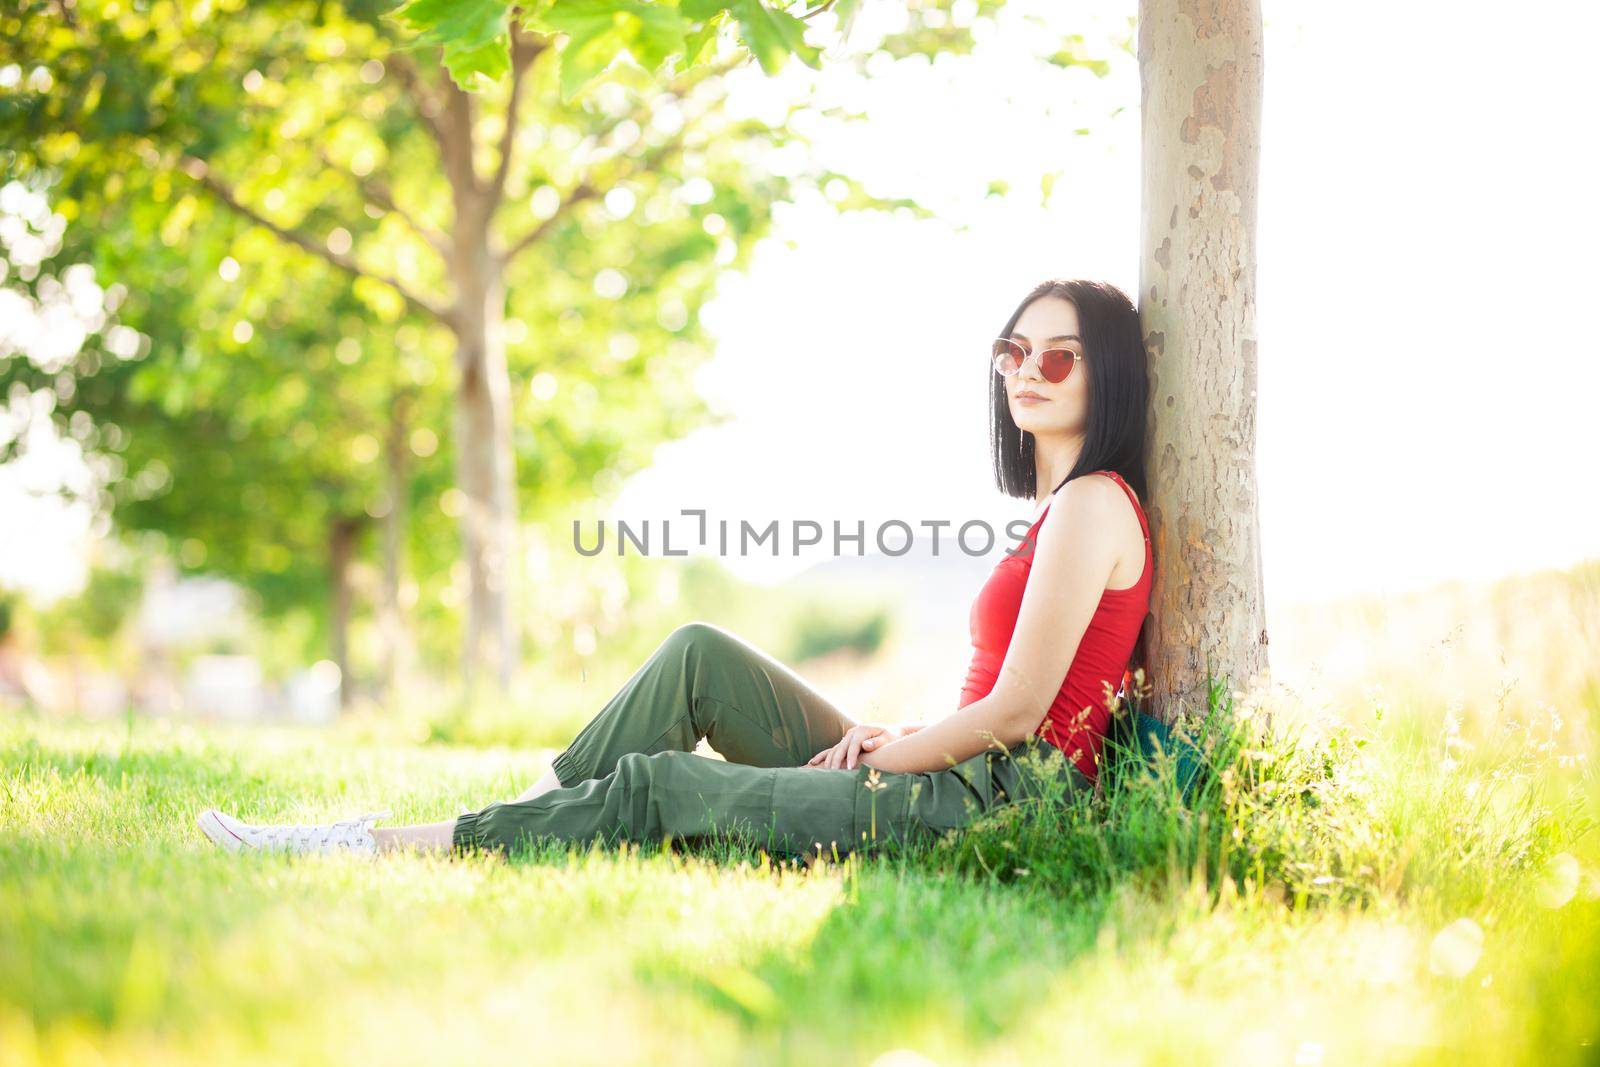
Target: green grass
(1305, 905)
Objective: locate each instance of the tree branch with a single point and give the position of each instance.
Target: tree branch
(447, 112)
(524, 50)
(456, 128)
(583, 191)
(200, 171)
(676, 90)
(378, 193)
(422, 98)
(586, 189)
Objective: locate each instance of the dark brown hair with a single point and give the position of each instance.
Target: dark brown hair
(1118, 366)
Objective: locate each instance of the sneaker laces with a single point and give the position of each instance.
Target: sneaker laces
(346, 834)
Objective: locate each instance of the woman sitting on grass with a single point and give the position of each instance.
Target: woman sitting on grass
(1053, 631)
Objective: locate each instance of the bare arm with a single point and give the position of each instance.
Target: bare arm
(1073, 559)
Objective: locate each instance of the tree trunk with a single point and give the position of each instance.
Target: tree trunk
(484, 474)
(485, 464)
(397, 467)
(342, 532)
(1201, 71)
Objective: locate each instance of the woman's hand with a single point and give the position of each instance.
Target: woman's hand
(860, 738)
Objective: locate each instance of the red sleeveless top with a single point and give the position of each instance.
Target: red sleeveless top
(1079, 715)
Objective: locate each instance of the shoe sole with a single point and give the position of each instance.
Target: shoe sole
(218, 833)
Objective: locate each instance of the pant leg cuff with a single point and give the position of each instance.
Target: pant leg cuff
(468, 834)
(566, 769)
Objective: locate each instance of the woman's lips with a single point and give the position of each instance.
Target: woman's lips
(1030, 398)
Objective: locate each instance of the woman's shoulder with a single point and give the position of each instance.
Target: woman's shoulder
(1086, 509)
(1114, 487)
(1108, 477)
(1092, 485)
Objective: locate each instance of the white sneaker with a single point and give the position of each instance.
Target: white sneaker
(347, 835)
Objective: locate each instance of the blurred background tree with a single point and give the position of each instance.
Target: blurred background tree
(383, 288)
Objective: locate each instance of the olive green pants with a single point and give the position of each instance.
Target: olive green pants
(631, 774)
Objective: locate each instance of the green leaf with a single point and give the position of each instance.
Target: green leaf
(700, 44)
(772, 35)
(594, 38)
(598, 31)
(580, 20)
(845, 11)
(469, 23)
(473, 33)
(658, 33)
(492, 60)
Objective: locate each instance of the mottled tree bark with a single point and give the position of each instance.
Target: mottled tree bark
(1200, 63)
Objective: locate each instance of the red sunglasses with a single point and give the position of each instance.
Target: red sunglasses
(1054, 363)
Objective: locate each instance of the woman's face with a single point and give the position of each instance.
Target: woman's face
(1041, 407)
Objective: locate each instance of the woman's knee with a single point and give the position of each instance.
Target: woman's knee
(640, 771)
(701, 636)
(633, 769)
(695, 633)
(633, 797)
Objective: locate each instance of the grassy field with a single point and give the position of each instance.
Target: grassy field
(1407, 883)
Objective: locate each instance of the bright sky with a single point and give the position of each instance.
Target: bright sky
(1426, 399)
(1426, 240)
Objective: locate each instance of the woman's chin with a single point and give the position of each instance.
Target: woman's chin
(1031, 421)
